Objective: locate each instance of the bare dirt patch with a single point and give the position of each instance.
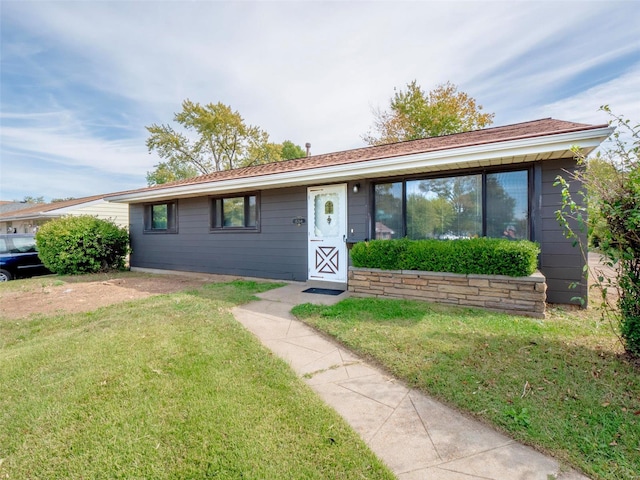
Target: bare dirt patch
(53, 295)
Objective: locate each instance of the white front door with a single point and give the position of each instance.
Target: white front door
(327, 214)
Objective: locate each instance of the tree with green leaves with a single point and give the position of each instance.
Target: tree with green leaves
(414, 114)
(598, 168)
(612, 199)
(291, 151)
(35, 200)
(208, 138)
(170, 171)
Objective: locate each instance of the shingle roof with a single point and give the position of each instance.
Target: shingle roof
(6, 207)
(536, 128)
(42, 208)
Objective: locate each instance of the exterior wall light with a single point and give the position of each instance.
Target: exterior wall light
(356, 188)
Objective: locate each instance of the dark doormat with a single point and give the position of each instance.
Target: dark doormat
(323, 291)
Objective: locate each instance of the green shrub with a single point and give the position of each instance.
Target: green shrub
(630, 323)
(609, 186)
(384, 254)
(82, 244)
(484, 256)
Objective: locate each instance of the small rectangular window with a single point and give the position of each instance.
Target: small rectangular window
(161, 218)
(235, 213)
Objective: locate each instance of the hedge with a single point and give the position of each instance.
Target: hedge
(82, 244)
(485, 256)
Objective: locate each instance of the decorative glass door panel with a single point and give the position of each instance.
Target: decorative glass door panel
(327, 233)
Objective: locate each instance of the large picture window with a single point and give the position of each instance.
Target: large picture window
(445, 208)
(233, 213)
(465, 206)
(161, 217)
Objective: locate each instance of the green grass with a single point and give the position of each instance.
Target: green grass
(169, 387)
(559, 384)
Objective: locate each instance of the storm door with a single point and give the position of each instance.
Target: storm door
(327, 214)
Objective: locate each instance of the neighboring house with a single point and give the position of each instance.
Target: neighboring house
(28, 218)
(294, 220)
(383, 232)
(6, 206)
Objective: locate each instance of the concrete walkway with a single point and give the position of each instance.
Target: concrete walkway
(417, 437)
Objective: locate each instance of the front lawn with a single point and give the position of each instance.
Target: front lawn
(166, 387)
(559, 384)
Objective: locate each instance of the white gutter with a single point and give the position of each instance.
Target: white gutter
(31, 216)
(585, 139)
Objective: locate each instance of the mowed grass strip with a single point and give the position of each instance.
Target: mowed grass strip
(559, 384)
(166, 387)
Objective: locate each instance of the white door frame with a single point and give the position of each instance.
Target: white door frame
(327, 232)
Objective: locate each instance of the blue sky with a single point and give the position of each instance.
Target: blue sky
(80, 80)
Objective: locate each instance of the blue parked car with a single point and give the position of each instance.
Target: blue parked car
(19, 257)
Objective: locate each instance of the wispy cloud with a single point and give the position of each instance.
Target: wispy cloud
(80, 80)
(620, 94)
(61, 145)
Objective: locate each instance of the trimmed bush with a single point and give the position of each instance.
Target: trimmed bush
(82, 244)
(484, 256)
(384, 254)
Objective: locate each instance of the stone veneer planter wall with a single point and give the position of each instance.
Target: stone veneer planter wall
(514, 295)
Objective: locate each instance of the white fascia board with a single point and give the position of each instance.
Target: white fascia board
(563, 142)
(31, 216)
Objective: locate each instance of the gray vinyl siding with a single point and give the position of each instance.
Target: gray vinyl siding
(358, 205)
(278, 250)
(358, 216)
(560, 262)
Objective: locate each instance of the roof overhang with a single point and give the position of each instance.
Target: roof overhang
(533, 149)
(60, 211)
(30, 216)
